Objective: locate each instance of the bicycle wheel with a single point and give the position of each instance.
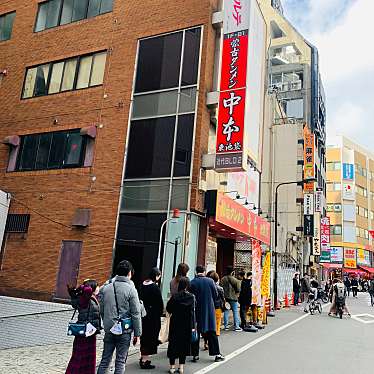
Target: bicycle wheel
(319, 306)
(311, 308)
(325, 299)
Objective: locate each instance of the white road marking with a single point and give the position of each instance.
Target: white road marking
(250, 345)
(357, 318)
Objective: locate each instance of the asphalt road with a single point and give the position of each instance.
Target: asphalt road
(294, 342)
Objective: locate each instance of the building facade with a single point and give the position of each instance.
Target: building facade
(296, 109)
(350, 206)
(104, 122)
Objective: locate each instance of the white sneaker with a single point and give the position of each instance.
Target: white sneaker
(238, 329)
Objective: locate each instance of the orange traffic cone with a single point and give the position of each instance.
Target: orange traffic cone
(286, 301)
(293, 299)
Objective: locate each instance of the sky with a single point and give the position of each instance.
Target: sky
(341, 30)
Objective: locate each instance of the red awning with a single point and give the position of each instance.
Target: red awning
(331, 266)
(354, 271)
(367, 269)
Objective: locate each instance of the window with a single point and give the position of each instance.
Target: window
(330, 207)
(333, 166)
(338, 208)
(330, 186)
(17, 223)
(366, 234)
(366, 213)
(54, 13)
(361, 191)
(6, 25)
(61, 76)
(51, 151)
(336, 229)
(337, 186)
(371, 215)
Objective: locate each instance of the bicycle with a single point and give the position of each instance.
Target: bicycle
(314, 305)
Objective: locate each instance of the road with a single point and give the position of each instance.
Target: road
(293, 342)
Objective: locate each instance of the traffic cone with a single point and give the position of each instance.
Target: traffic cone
(286, 302)
(293, 299)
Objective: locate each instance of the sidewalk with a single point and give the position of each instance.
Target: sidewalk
(46, 358)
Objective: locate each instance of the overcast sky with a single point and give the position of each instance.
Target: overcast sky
(342, 32)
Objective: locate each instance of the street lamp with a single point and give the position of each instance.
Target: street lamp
(176, 215)
(276, 233)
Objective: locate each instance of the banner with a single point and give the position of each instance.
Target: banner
(308, 204)
(348, 171)
(256, 272)
(350, 261)
(318, 200)
(234, 66)
(336, 254)
(265, 281)
(308, 159)
(317, 235)
(236, 216)
(363, 257)
(325, 234)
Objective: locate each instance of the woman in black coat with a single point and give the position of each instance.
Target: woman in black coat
(181, 307)
(154, 306)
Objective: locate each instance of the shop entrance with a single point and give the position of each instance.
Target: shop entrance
(225, 255)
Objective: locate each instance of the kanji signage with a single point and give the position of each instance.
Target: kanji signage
(325, 234)
(348, 172)
(336, 254)
(318, 200)
(309, 172)
(308, 225)
(317, 235)
(308, 204)
(236, 216)
(350, 260)
(232, 102)
(363, 257)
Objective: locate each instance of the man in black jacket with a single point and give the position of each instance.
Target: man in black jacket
(296, 289)
(354, 285)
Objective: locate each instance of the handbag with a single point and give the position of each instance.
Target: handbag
(80, 328)
(123, 325)
(194, 333)
(163, 337)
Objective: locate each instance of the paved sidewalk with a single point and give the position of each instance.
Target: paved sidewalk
(53, 358)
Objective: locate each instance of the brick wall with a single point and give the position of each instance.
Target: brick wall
(30, 263)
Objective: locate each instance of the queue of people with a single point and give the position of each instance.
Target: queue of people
(195, 309)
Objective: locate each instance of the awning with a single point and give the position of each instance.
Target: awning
(354, 271)
(367, 269)
(331, 266)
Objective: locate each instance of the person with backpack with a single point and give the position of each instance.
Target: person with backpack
(121, 313)
(231, 287)
(371, 290)
(83, 299)
(338, 290)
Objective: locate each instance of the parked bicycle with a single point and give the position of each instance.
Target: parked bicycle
(314, 305)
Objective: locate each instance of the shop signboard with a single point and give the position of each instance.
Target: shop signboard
(317, 235)
(318, 200)
(350, 260)
(309, 172)
(348, 172)
(325, 234)
(348, 191)
(363, 257)
(325, 257)
(236, 216)
(308, 225)
(336, 255)
(232, 101)
(308, 204)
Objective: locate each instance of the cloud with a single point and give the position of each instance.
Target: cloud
(341, 32)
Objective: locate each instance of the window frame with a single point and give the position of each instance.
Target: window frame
(67, 133)
(4, 16)
(60, 14)
(77, 67)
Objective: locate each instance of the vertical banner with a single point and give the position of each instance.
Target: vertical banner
(309, 172)
(318, 200)
(256, 272)
(325, 240)
(265, 281)
(348, 172)
(317, 235)
(231, 110)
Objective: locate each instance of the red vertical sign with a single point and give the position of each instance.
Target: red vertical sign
(325, 234)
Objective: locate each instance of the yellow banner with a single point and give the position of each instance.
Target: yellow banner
(265, 281)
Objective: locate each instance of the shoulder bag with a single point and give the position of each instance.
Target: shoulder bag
(83, 329)
(123, 325)
(194, 333)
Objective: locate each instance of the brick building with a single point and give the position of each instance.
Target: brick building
(104, 122)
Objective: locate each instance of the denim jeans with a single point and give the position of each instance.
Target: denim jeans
(121, 344)
(235, 310)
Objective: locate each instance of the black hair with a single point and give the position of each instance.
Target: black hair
(249, 274)
(200, 269)
(91, 283)
(154, 273)
(184, 284)
(229, 270)
(124, 268)
(242, 273)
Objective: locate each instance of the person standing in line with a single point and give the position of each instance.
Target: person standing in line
(347, 284)
(231, 287)
(354, 285)
(206, 295)
(296, 289)
(182, 271)
(220, 302)
(305, 290)
(121, 293)
(83, 299)
(151, 323)
(371, 290)
(181, 307)
(245, 298)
